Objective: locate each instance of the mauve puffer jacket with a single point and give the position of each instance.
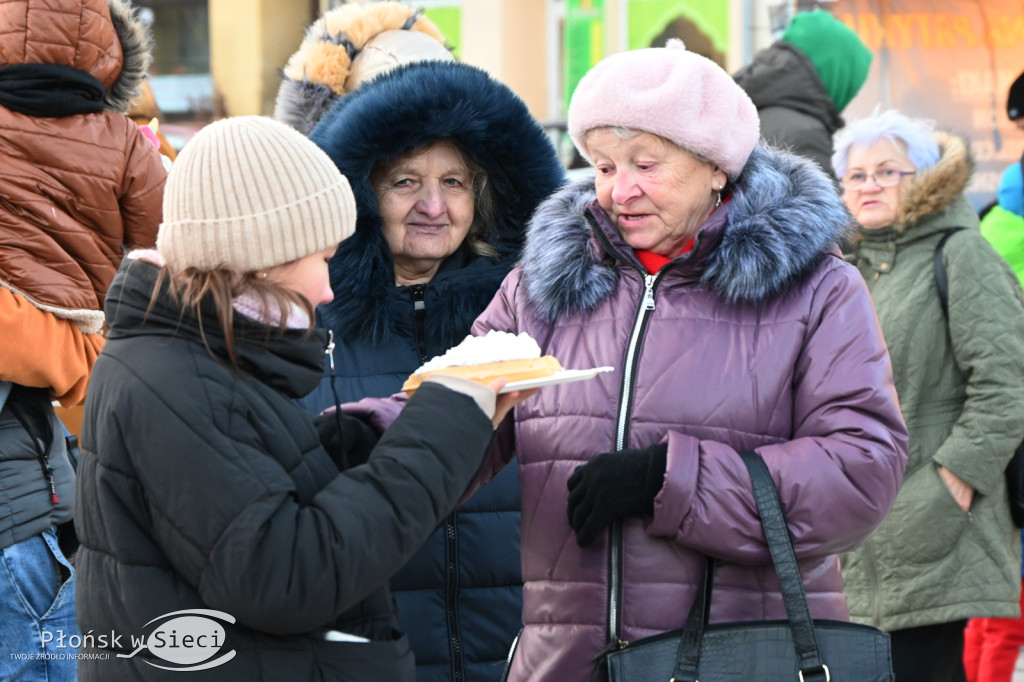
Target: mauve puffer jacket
(757, 339)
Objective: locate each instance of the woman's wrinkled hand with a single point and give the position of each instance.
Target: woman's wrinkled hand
(960, 490)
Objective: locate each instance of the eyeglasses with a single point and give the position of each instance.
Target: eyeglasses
(883, 177)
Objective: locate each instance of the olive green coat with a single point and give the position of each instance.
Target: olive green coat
(961, 390)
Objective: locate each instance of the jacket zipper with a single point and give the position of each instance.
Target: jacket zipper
(625, 409)
(418, 292)
(451, 589)
(643, 314)
(419, 308)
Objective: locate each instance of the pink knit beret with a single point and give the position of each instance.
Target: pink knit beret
(671, 92)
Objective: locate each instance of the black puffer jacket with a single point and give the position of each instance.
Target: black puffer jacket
(203, 488)
(459, 599)
(795, 110)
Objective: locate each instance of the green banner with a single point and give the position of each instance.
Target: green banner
(703, 25)
(449, 21)
(584, 41)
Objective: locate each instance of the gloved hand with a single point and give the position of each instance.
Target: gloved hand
(612, 486)
(346, 439)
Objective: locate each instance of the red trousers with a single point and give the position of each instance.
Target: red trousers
(991, 647)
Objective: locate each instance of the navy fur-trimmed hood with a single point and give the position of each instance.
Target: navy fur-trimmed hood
(784, 215)
(413, 105)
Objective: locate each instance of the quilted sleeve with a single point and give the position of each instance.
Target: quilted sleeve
(986, 327)
(142, 191)
(41, 350)
(500, 315)
(306, 562)
(837, 476)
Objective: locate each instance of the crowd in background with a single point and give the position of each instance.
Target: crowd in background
(203, 351)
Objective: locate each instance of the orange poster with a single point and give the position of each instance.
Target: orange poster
(948, 60)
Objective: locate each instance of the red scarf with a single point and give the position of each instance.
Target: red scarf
(654, 262)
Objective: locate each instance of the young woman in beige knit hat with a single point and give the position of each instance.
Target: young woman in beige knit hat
(214, 522)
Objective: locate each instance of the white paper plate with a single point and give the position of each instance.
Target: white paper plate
(564, 376)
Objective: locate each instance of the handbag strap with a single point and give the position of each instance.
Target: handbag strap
(786, 568)
(688, 653)
(941, 282)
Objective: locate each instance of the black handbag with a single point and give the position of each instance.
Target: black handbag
(798, 649)
(1015, 468)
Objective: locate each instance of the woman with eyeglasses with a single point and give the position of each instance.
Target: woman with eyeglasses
(948, 550)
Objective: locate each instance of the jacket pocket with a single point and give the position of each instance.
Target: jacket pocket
(926, 522)
(37, 576)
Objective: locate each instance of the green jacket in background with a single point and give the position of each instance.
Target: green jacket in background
(1004, 230)
(961, 390)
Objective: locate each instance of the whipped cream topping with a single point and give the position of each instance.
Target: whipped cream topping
(494, 346)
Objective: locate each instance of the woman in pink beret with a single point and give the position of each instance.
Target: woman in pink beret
(703, 266)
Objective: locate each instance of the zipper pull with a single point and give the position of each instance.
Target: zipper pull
(330, 349)
(649, 292)
(53, 486)
(418, 297)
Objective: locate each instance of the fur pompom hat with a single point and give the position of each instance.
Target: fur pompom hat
(347, 46)
(248, 193)
(671, 92)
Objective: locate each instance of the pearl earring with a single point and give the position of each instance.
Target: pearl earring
(718, 199)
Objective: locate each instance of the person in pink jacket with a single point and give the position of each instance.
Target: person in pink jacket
(703, 266)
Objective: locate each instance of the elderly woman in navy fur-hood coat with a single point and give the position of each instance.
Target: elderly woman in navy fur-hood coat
(703, 267)
(400, 301)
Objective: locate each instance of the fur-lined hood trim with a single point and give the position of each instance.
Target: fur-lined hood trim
(784, 215)
(137, 51)
(414, 105)
(315, 76)
(933, 190)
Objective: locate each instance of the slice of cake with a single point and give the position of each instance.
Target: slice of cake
(483, 359)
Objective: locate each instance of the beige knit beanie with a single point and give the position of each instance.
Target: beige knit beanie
(248, 193)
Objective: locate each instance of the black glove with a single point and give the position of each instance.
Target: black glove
(612, 486)
(348, 440)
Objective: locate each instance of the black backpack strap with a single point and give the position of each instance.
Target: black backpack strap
(29, 408)
(941, 281)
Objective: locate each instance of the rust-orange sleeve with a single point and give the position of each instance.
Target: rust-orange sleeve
(42, 350)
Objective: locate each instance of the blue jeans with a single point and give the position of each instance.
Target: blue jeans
(37, 618)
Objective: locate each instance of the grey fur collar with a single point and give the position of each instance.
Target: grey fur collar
(136, 48)
(784, 215)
